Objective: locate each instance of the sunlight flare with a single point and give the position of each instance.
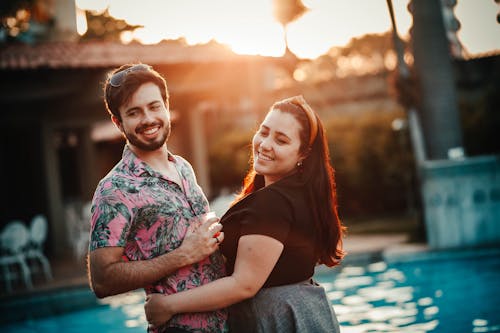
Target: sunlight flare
(248, 27)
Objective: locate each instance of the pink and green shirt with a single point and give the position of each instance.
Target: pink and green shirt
(137, 208)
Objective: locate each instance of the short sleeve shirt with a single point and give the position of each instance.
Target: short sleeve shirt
(279, 211)
(137, 208)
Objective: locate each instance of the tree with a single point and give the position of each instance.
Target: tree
(105, 27)
(23, 20)
(285, 12)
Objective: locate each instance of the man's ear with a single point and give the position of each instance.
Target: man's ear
(117, 123)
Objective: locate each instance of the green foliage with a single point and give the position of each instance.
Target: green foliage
(366, 55)
(20, 20)
(102, 26)
(373, 164)
(479, 97)
(8, 8)
(229, 157)
(368, 45)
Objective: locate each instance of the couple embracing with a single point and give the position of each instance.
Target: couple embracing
(249, 271)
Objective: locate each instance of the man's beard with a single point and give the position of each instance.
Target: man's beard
(133, 139)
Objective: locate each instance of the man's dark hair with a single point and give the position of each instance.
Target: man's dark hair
(124, 81)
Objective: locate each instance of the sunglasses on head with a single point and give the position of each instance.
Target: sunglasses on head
(116, 79)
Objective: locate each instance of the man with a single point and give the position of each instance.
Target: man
(142, 230)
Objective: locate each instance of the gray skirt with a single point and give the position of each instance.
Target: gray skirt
(301, 307)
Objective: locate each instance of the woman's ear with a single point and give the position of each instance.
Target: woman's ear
(305, 155)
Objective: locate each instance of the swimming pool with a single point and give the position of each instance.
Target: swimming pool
(447, 292)
(450, 293)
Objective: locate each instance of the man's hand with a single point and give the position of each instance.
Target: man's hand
(110, 275)
(202, 240)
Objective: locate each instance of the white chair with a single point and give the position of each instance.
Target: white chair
(34, 250)
(13, 240)
(82, 244)
(87, 213)
(78, 226)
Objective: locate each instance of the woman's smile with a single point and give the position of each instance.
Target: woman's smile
(264, 157)
(276, 146)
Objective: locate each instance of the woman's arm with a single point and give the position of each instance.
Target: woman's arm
(256, 257)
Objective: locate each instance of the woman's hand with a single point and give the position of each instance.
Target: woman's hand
(157, 309)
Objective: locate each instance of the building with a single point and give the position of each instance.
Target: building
(58, 141)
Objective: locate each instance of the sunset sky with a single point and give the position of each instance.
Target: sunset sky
(248, 26)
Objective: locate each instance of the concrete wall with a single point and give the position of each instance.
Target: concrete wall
(462, 201)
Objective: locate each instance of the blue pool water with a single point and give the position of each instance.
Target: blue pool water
(450, 294)
(440, 295)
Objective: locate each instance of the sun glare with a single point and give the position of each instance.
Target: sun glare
(248, 27)
(81, 22)
(95, 5)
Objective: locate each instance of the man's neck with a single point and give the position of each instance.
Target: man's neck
(156, 159)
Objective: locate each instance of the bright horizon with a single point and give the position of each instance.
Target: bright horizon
(248, 27)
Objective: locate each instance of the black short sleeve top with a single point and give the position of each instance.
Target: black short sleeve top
(279, 211)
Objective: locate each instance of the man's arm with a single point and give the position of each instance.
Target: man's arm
(110, 275)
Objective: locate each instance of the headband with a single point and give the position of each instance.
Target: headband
(311, 115)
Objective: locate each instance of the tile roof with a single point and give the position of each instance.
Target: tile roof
(102, 54)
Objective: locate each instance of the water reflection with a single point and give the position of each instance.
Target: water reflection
(131, 305)
(426, 296)
(449, 296)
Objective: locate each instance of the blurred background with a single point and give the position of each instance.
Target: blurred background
(409, 92)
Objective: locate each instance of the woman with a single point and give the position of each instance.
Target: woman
(282, 224)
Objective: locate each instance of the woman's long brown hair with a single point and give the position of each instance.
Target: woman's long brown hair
(318, 178)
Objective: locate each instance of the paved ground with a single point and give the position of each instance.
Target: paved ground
(355, 244)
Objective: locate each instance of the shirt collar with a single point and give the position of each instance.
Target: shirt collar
(138, 167)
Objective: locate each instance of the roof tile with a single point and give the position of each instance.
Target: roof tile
(97, 54)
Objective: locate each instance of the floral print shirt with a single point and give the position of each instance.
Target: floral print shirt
(137, 208)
